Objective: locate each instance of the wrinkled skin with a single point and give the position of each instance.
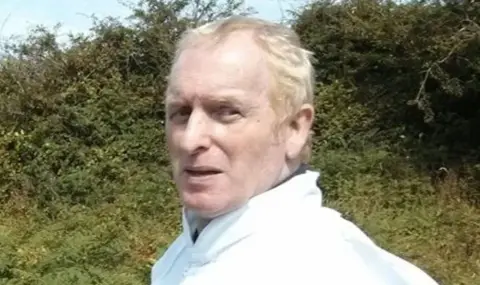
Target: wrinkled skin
(220, 127)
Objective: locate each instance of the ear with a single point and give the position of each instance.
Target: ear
(299, 129)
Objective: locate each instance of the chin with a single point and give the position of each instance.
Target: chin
(205, 211)
(206, 205)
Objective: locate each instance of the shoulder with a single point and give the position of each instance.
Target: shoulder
(336, 251)
(164, 263)
(323, 248)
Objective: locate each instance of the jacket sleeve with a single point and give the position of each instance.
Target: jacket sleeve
(339, 264)
(166, 262)
(348, 256)
(340, 254)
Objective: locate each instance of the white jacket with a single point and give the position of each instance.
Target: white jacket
(283, 236)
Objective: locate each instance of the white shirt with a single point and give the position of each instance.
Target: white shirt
(283, 236)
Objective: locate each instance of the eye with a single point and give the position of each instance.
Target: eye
(227, 113)
(180, 114)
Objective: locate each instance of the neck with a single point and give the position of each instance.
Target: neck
(298, 169)
(202, 223)
(291, 172)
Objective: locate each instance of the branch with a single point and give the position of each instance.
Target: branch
(421, 90)
(473, 23)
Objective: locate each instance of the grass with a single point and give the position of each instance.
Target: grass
(117, 243)
(433, 227)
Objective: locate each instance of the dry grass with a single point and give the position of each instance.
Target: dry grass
(431, 226)
(117, 243)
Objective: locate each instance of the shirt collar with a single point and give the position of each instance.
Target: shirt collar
(260, 210)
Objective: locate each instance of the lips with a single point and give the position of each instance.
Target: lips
(199, 171)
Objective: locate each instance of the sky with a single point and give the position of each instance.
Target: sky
(18, 16)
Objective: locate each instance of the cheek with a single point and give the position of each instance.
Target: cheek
(173, 153)
(172, 138)
(252, 145)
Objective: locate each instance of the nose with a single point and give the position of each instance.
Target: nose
(196, 137)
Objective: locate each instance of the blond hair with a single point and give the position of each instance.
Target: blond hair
(290, 65)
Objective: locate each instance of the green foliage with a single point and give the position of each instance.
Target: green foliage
(85, 187)
(428, 224)
(340, 121)
(113, 243)
(415, 66)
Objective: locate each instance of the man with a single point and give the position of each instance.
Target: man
(239, 107)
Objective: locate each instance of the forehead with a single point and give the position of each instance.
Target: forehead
(234, 69)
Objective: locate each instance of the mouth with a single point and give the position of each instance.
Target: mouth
(201, 171)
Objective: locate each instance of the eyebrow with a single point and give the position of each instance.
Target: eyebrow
(223, 97)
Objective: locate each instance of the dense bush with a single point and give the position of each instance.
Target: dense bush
(76, 122)
(84, 176)
(414, 65)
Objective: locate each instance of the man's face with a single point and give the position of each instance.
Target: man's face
(220, 127)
